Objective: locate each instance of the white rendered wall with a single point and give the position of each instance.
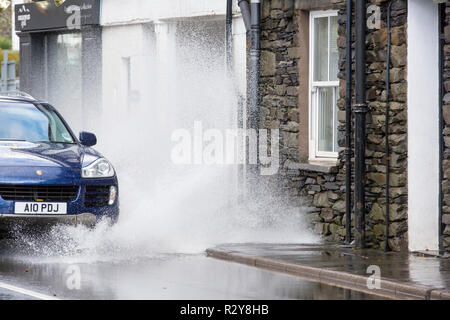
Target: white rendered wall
(151, 40)
(144, 31)
(239, 54)
(15, 38)
(139, 30)
(122, 42)
(119, 11)
(423, 125)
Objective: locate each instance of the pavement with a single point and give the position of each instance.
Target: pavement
(402, 275)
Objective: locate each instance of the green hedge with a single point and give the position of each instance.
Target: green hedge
(5, 43)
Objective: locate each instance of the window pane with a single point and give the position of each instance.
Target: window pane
(321, 49)
(326, 120)
(334, 54)
(33, 123)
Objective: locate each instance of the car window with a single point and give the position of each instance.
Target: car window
(34, 123)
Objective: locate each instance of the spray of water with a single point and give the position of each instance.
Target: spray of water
(178, 80)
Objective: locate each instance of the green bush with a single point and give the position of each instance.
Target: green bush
(5, 43)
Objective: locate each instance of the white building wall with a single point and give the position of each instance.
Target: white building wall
(423, 125)
(122, 44)
(113, 11)
(15, 38)
(239, 53)
(145, 32)
(176, 52)
(173, 52)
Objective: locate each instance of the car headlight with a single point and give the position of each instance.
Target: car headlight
(100, 168)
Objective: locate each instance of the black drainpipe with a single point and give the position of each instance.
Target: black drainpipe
(441, 122)
(252, 21)
(228, 32)
(255, 54)
(245, 11)
(386, 128)
(348, 126)
(360, 110)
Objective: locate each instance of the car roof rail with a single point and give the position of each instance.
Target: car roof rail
(17, 94)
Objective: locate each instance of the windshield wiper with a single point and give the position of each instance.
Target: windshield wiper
(62, 142)
(13, 140)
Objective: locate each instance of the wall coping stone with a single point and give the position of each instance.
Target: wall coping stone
(315, 4)
(322, 167)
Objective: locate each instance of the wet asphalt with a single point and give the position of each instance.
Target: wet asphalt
(162, 277)
(11, 295)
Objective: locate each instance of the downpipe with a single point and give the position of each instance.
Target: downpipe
(252, 21)
(360, 110)
(348, 126)
(386, 128)
(228, 35)
(246, 15)
(255, 67)
(255, 72)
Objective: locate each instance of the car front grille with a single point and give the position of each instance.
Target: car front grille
(96, 196)
(38, 193)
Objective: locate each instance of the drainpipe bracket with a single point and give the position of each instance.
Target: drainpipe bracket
(360, 108)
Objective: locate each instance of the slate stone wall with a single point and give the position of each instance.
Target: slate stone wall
(322, 188)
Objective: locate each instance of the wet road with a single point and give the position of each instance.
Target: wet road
(190, 277)
(6, 294)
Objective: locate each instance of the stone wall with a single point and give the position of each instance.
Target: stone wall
(446, 132)
(376, 60)
(283, 98)
(5, 24)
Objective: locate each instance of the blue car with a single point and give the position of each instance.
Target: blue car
(47, 175)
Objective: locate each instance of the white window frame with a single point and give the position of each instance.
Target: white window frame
(314, 153)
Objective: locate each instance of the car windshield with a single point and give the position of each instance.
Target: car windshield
(33, 123)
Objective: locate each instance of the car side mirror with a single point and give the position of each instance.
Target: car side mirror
(88, 139)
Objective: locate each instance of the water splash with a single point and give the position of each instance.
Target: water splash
(179, 79)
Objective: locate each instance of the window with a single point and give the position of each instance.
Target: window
(32, 123)
(324, 85)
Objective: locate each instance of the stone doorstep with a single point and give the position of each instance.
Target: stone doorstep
(389, 288)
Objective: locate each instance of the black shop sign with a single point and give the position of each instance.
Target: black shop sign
(45, 15)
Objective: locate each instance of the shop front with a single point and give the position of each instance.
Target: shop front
(60, 52)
